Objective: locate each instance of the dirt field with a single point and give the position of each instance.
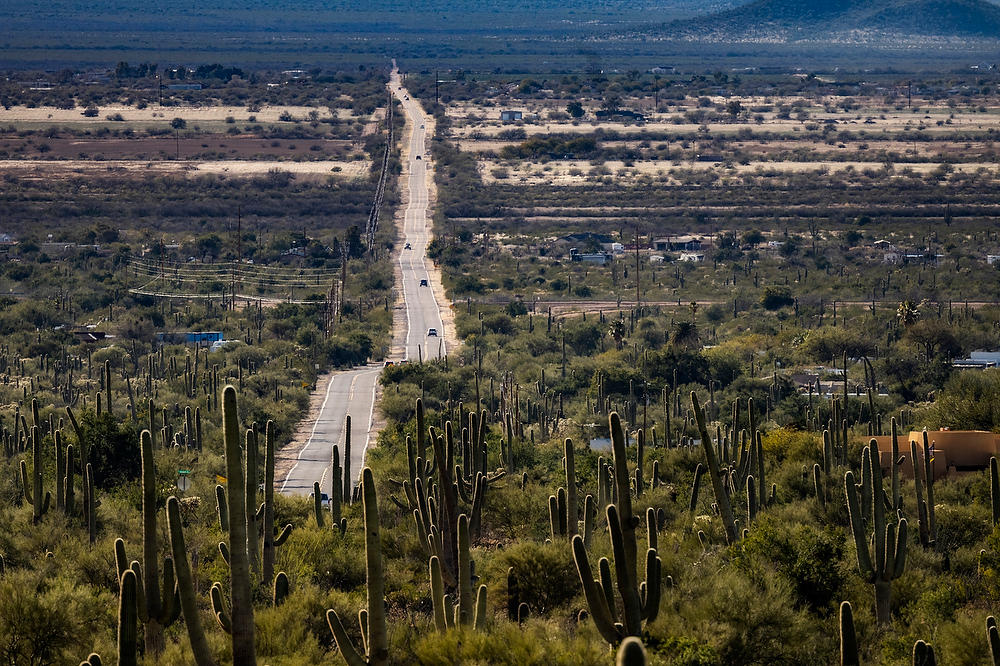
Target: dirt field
(154, 114)
(235, 168)
(206, 146)
(578, 172)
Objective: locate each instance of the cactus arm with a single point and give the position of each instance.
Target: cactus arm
(858, 528)
(993, 638)
(219, 609)
(929, 476)
(899, 554)
(378, 639)
(607, 587)
(571, 492)
(479, 623)
(185, 586)
(848, 638)
(651, 602)
(25, 483)
(466, 604)
(627, 585)
(594, 595)
(878, 506)
(437, 594)
(127, 620)
(223, 507)
(280, 591)
(721, 496)
(283, 535)
(347, 649)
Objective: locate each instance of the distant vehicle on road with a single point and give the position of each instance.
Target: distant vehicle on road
(418, 157)
(432, 332)
(406, 247)
(387, 364)
(423, 283)
(323, 498)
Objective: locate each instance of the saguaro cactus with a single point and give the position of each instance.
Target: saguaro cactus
(241, 618)
(640, 601)
(185, 586)
(848, 638)
(376, 638)
(127, 620)
(715, 474)
(157, 612)
(33, 487)
(888, 557)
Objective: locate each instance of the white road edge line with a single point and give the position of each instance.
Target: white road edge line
(298, 458)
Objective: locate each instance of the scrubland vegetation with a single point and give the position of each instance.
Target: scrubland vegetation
(588, 467)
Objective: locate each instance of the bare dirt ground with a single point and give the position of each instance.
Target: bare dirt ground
(577, 172)
(235, 168)
(157, 114)
(204, 146)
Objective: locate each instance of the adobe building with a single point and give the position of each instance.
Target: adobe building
(951, 451)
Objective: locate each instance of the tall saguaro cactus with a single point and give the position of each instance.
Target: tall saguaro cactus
(715, 474)
(241, 617)
(185, 587)
(373, 627)
(158, 612)
(640, 601)
(33, 487)
(887, 559)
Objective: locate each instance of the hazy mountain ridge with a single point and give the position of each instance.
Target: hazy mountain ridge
(795, 20)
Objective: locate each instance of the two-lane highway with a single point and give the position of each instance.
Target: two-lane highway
(425, 329)
(353, 391)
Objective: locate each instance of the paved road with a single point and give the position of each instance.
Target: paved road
(422, 312)
(353, 391)
(349, 392)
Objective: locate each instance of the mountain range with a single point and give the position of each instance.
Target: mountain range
(789, 20)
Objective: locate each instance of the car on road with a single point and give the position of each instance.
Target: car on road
(323, 498)
(421, 127)
(406, 247)
(423, 283)
(432, 332)
(418, 157)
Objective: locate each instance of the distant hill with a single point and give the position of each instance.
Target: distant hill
(822, 19)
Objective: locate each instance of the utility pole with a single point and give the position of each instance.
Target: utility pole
(637, 306)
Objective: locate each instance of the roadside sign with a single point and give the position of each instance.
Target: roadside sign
(183, 482)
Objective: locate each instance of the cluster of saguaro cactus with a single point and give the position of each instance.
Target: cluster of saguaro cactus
(867, 506)
(467, 611)
(639, 601)
(375, 650)
(435, 507)
(158, 606)
(564, 505)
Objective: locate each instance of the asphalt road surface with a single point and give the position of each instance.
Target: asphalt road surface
(353, 391)
(422, 313)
